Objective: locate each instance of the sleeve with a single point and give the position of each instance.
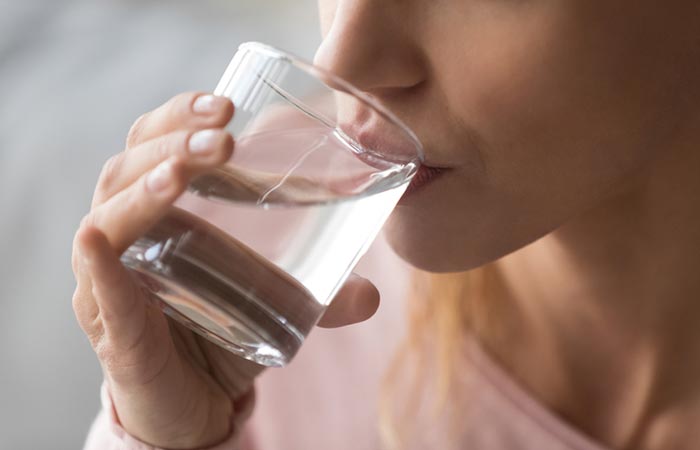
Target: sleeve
(106, 433)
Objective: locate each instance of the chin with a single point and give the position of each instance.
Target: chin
(430, 239)
(428, 248)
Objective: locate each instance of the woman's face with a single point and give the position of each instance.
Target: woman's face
(541, 108)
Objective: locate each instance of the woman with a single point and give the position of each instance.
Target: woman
(559, 238)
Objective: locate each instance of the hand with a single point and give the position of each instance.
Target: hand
(170, 387)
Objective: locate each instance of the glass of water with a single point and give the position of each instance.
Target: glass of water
(253, 252)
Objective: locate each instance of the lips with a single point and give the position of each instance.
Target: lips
(391, 144)
(401, 149)
(423, 177)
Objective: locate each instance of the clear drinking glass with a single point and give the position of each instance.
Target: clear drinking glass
(252, 253)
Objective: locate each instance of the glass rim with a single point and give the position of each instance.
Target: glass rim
(309, 67)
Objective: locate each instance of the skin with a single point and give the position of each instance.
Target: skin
(571, 130)
(572, 133)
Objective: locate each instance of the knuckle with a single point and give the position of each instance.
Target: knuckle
(171, 144)
(79, 303)
(124, 361)
(96, 336)
(136, 131)
(168, 145)
(87, 313)
(133, 201)
(104, 351)
(77, 300)
(88, 220)
(161, 148)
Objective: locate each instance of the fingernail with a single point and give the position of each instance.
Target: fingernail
(203, 142)
(208, 104)
(159, 178)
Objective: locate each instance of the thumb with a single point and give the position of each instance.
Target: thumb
(356, 301)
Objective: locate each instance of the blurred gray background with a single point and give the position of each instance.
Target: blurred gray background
(74, 75)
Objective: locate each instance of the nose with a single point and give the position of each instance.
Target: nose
(369, 44)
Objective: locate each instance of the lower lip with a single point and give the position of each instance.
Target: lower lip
(422, 178)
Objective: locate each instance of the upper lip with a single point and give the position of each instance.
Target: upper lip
(372, 136)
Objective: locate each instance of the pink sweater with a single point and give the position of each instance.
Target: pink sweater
(327, 397)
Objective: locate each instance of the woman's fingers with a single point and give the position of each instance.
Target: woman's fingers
(133, 211)
(119, 306)
(186, 125)
(202, 148)
(356, 301)
(130, 335)
(191, 110)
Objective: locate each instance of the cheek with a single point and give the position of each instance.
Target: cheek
(557, 107)
(564, 114)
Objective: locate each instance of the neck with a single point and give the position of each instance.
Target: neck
(601, 318)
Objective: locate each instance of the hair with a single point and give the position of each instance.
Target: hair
(443, 308)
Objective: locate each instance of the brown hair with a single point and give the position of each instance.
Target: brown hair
(442, 308)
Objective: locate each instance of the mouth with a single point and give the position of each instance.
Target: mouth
(392, 144)
(397, 148)
(421, 179)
